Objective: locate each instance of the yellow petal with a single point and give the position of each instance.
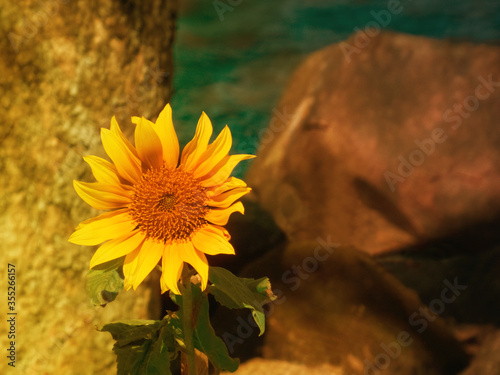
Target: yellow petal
(164, 127)
(231, 183)
(172, 265)
(115, 129)
(221, 172)
(197, 259)
(117, 248)
(221, 216)
(226, 199)
(137, 120)
(102, 196)
(127, 163)
(129, 267)
(103, 170)
(148, 145)
(104, 227)
(149, 256)
(214, 153)
(191, 154)
(213, 240)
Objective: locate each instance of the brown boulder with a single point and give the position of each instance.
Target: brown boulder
(486, 360)
(392, 146)
(337, 307)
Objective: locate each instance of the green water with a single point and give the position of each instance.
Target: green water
(235, 65)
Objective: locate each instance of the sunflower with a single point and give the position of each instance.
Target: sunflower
(160, 207)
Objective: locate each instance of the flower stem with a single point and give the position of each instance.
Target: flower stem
(187, 321)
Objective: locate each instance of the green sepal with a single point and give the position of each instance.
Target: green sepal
(104, 281)
(204, 337)
(262, 286)
(239, 293)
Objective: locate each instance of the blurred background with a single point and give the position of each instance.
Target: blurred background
(376, 191)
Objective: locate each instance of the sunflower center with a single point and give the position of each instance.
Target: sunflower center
(169, 205)
(167, 202)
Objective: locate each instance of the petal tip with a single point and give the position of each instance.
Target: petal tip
(127, 285)
(72, 240)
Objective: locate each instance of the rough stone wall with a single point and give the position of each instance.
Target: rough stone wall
(66, 68)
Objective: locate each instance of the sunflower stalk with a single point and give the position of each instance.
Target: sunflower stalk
(188, 321)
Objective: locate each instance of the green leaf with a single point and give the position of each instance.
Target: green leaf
(204, 337)
(175, 326)
(238, 293)
(105, 281)
(143, 347)
(207, 341)
(158, 360)
(127, 331)
(130, 358)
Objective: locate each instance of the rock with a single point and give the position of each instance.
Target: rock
(425, 269)
(486, 361)
(336, 306)
(252, 235)
(67, 68)
(390, 146)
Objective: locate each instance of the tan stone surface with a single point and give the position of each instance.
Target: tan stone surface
(66, 68)
(259, 366)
